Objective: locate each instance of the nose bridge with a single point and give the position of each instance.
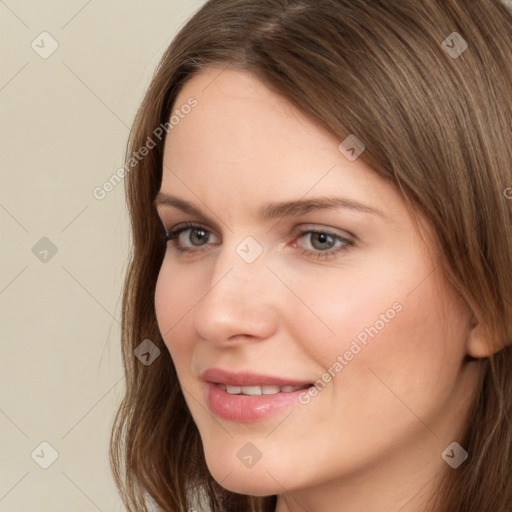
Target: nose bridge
(239, 300)
(242, 265)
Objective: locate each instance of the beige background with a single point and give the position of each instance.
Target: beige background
(64, 122)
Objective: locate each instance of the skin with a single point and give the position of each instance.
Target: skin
(372, 438)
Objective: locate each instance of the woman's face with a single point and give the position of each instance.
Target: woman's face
(275, 288)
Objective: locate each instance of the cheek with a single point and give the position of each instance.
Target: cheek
(344, 311)
(391, 335)
(410, 363)
(175, 296)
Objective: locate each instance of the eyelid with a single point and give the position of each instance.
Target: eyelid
(321, 228)
(185, 226)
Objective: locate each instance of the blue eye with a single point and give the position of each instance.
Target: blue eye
(193, 238)
(325, 244)
(197, 237)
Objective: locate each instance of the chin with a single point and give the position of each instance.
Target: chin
(254, 481)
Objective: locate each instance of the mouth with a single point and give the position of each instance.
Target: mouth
(245, 397)
(263, 389)
(251, 383)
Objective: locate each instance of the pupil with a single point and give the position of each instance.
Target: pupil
(198, 236)
(322, 238)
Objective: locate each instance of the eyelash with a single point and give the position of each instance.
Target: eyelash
(173, 235)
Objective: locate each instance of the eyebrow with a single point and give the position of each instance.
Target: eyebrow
(279, 210)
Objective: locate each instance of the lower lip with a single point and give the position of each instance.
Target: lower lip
(244, 408)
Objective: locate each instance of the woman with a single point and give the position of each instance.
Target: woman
(318, 310)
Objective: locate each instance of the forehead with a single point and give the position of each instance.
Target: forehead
(239, 124)
(235, 105)
(243, 142)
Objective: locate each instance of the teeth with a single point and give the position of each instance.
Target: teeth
(258, 390)
(269, 390)
(250, 390)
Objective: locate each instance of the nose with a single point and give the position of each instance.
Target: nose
(240, 302)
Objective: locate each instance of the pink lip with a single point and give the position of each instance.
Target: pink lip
(243, 408)
(219, 376)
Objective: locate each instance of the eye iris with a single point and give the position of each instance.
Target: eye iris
(198, 236)
(322, 238)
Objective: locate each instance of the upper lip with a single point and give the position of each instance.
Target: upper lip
(219, 376)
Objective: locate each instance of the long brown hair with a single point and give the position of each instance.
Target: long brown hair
(435, 119)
